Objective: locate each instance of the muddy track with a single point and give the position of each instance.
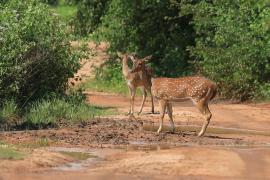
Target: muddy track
(106, 132)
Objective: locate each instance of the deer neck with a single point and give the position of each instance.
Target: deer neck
(143, 72)
(125, 68)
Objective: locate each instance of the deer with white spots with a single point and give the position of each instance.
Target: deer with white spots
(141, 78)
(199, 89)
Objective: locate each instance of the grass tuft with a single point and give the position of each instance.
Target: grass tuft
(8, 111)
(7, 152)
(48, 112)
(106, 86)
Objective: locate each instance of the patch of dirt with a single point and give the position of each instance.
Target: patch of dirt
(246, 116)
(35, 160)
(98, 55)
(104, 131)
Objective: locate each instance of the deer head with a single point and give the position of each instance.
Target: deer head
(139, 64)
(126, 56)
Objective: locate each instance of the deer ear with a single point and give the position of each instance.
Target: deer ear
(132, 58)
(147, 58)
(120, 54)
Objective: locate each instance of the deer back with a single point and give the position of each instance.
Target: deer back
(193, 87)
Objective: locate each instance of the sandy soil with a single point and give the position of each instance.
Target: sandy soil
(140, 154)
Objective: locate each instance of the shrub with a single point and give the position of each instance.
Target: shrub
(89, 15)
(36, 58)
(109, 78)
(232, 44)
(263, 92)
(51, 2)
(149, 27)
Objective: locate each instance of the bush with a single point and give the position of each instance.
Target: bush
(50, 2)
(146, 27)
(35, 53)
(263, 92)
(89, 15)
(232, 44)
(109, 78)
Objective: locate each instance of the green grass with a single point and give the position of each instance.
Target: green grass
(48, 112)
(105, 86)
(110, 87)
(8, 111)
(7, 152)
(65, 11)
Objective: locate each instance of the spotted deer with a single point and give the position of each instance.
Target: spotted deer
(141, 78)
(199, 89)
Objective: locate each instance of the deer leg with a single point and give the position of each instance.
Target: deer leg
(203, 107)
(162, 107)
(152, 102)
(130, 92)
(132, 95)
(170, 111)
(143, 101)
(132, 101)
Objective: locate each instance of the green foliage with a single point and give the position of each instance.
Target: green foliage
(143, 26)
(263, 92)
(51, 2)
(67, 12)
(35, 54)
(232, 44)
(89, 15)
(72, 2)
(109, 78)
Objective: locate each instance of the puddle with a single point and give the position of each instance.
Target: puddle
(212, 130)
(88, 158)
(85, 158)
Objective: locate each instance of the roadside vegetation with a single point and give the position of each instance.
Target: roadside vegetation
(36, 62)
(226, 41)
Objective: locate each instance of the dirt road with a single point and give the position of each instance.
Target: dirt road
(123, 149)
(120, 147)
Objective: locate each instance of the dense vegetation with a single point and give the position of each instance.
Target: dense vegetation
(233, 44)
(227, 41)
(35, 54)
(36, 61)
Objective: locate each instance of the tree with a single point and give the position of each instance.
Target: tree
(232, 43)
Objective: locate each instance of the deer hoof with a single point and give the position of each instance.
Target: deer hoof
(200, 134)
